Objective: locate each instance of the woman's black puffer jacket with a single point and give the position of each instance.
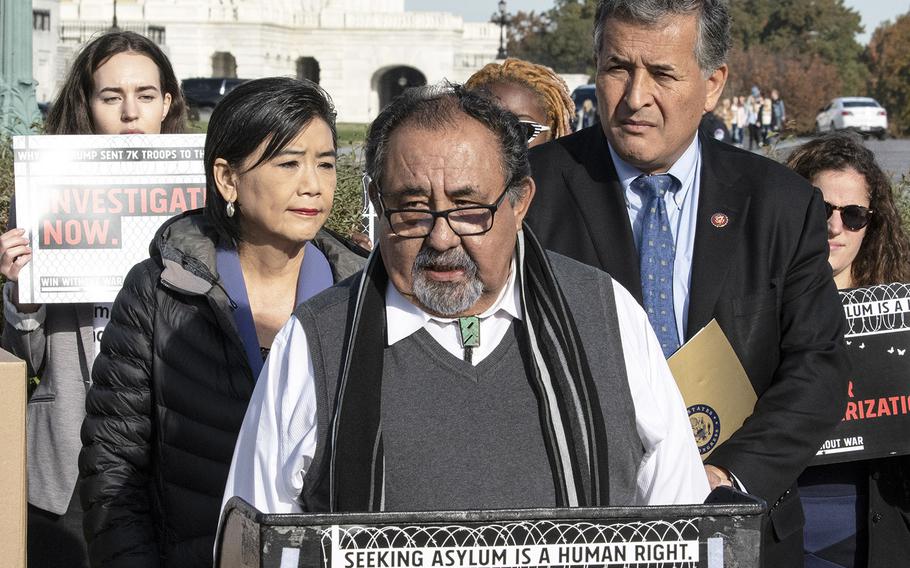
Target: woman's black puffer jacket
(169, 392)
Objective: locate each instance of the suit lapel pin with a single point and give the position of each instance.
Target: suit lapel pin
(719, 220)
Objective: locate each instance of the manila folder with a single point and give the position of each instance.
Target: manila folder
(714, 385)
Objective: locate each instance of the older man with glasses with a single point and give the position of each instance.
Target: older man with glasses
(465, 368)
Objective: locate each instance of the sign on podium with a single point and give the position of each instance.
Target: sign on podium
(713, 535)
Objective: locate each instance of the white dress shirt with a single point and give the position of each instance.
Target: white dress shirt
(278, 438)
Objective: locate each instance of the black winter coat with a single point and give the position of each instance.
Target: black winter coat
(171, 386)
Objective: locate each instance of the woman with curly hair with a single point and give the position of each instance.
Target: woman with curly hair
(877, 250)
(534, 93)
(857, 513)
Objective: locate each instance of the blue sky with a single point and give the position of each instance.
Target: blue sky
(873, 11)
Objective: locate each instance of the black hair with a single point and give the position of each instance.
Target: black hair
(272, 111)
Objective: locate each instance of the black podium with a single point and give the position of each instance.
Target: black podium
(715, 535)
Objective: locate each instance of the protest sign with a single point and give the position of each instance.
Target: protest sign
(91, 205)
(876, 418)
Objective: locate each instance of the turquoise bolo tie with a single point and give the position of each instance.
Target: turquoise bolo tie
(469, 327)
(656, 255)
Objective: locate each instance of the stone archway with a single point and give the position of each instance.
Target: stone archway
(224, 65)
(308, 68)
(393, 81)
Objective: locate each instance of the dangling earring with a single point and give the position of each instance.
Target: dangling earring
(229, 208)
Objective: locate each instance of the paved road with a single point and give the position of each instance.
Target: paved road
(892, 155)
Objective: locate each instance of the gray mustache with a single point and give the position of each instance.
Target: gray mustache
(452, 259)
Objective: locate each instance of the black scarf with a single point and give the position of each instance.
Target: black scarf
(570, 413)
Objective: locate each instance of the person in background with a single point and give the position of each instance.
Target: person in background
(193, 323)
(766, 114)
(753, 119)
(726, 114)
(534, 93)
(741, 122)
(587, 116)
(736, 126)
(857, 513)
(778, 112)
(120, 83)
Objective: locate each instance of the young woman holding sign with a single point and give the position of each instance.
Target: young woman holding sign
(193, 323)
(120, 83)
(857, 513)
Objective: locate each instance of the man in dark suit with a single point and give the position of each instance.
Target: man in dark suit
(724, 234)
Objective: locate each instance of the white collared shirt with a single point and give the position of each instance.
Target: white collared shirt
(278, 438)
(404, 319)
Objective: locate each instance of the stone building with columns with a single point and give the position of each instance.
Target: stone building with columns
(363, 52)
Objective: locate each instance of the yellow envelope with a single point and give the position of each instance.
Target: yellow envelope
(714, 385)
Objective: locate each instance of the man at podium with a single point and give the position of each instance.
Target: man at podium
(465, 367)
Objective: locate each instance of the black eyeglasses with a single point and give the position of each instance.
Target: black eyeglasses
(464, 221)
(532, 129)
(854, 217)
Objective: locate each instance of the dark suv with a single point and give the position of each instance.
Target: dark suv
(203, 93)
(580, 95)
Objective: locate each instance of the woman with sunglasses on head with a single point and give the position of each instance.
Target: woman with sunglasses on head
(120, 83)
(857, 513)
(534, 93)
(192, 325)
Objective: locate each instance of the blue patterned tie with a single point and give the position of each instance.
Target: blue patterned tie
(656, 254)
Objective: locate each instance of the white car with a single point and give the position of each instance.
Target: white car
(862, 114)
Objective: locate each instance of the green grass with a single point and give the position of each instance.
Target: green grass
(348, 203)
(351, 133)
(6, 178)
(345, 217)
(197, 127)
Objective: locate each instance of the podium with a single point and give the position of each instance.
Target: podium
(713, 535)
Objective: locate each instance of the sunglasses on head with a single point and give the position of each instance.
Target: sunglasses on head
(532, 129)
(854, 217)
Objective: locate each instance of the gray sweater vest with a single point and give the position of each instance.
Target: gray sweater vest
(472, 433)
(463, 437)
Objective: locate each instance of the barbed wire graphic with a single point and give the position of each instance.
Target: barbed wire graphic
(877, 309)
(521, 533)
